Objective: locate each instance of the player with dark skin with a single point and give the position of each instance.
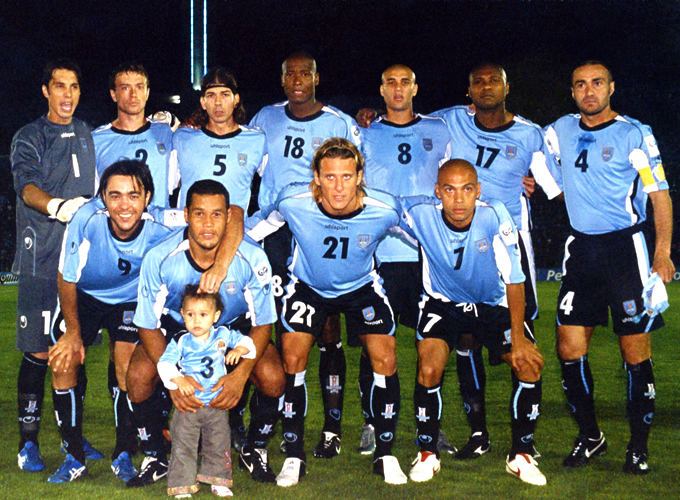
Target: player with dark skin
(207, 219)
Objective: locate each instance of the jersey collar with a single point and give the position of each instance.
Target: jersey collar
(132, 237)
(212, 134)
(402, 125)
(339, 217)
(585, 127)
(309, 118)
(494, 130)
(454, 228)
(140, 130)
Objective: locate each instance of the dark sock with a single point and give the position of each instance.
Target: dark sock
(332, 371)
(81, 384)
(427, 403)
(30, 395)
(147, 417)
(525, 406)
(68, 409)
(641, 395)
(112, 380)
(293, 414)
(577, 382)
(385, 402)
(264, 413)
(125, 431)
(472, 384)
(237, 412)
(365, 385)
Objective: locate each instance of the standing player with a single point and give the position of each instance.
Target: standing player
(224, 150)
(609, 165)
(503, 147)
(180, 260)
(403, 152)
(295, 129)
(53, 167)
(98, 279)
(336, 227)
(473, 284)
(131, 135)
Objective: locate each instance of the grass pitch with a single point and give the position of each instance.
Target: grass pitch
(349, 475)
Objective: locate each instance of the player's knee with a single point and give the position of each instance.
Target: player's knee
(428, 374)
(140, 381)
(384, 363)
(528, 373)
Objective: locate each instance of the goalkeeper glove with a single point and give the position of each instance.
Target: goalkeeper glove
(63, 210)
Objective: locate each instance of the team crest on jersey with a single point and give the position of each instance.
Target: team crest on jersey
(369, 313)
(363, 240)
(607, 153)
(221, 347)
(630, 307)
(422, 415)
(510, 152)
(242, 159)
(231, 287)
(316, 142)
(127, 317)
(427, 144)
(84, 143)
(482, 245)
(160, 146)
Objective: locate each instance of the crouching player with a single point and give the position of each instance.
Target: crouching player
(201, 354)
(97, 282)
(337, 225)
(473, 284)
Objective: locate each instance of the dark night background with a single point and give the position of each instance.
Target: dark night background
(538, 42)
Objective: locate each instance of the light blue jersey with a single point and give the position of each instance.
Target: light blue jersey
(102, 265)
(231, 159)
(502, 157)
(291, 143)
(404, 160)
(168, 268)
(150, 144)
(334, 255)
(470, 265)
(204, 361)
(606, 171)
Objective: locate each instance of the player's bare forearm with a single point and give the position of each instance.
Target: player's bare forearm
(260, 335)
(36, 198)
(153, 342)
(526, 359)
(213, 277)
(663, 224)
(68, 300)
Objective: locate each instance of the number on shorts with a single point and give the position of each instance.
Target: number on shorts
(46, 321)
(566, 304)
(276, 286)
(433, 318)
(301, 308)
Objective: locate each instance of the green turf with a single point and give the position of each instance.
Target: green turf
(348, 476)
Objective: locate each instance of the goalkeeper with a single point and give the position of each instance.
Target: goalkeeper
(53, 167)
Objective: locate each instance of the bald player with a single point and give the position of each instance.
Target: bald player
(473, 284)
